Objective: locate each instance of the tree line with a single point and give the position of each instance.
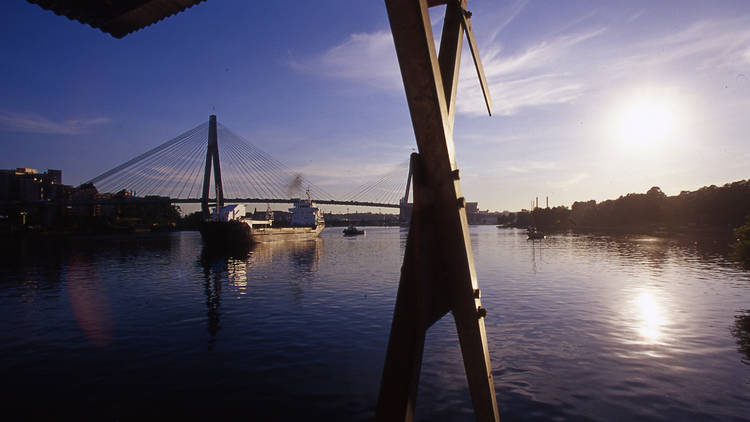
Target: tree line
(716, 208)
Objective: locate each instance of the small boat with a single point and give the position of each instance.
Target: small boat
(352, 231)
(533, 233)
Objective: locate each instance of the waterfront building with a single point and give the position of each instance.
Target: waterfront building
(28, 185)
(475, 216)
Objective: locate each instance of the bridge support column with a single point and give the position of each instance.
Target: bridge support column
(438, 272)
(404, 207)
(212, 156)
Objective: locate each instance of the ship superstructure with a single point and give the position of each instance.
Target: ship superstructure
(231, 225)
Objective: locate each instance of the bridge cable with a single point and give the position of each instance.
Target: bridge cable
(145, 154)
(137, 173)
(264, 170)
(150, 175)
(260, 180)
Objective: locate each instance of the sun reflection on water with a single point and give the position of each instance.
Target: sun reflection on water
(650, 317)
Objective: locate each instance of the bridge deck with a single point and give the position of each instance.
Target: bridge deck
(289, 201)
(131, 200)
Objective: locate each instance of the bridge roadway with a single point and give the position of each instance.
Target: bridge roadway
(153, 199)
(286, 201)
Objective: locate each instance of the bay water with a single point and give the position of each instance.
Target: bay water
(579, 327)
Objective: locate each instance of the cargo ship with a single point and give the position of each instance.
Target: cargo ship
(230, 225)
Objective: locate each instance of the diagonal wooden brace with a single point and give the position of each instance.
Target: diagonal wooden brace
(420, 302)
(438, 272)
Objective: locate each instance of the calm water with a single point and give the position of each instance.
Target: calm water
(580, 327)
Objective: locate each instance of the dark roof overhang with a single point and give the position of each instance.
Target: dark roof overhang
(116, 17)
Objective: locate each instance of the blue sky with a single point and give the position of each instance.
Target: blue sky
(593, 99)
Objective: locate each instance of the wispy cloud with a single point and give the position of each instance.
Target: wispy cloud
(539, 56)
(515, 10)
(34, 123)
(529, 78)
(572, 181)
(635, 16)
(525, 79)
(705, 44)
(559, 69)
(364, 172)
(368, 57)
(529, 166)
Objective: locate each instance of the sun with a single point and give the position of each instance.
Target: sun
(647, 119)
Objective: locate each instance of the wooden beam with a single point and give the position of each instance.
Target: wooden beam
(438, 274)
(477, 61)
(449, 58)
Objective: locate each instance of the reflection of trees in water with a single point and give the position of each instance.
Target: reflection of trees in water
(741, 331)
(657, 252)
(40, 261)
(709, 247)
(652, 252)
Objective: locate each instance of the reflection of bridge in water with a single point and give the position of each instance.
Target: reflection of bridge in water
(180, 171)
(230, 268)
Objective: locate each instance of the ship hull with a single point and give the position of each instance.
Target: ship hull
(226, 233)
(274, 234)
(239, 233)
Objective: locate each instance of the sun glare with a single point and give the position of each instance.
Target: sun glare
(650, 315)
(647, 119)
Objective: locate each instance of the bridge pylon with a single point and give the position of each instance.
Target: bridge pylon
(212, 156)
(405, 208)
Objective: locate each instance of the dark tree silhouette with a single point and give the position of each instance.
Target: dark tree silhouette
(741, 247)
(709, 208)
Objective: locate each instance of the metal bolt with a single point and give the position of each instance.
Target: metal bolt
(481, 312)
(455, 174)
(477, 294)
(461, 202)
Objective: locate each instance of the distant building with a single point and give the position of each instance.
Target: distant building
(362, 219)
(475, 216)
(28, 185)
(28, 197)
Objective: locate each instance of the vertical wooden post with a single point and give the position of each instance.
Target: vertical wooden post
(438, 271)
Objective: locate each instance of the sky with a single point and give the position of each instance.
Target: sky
(592, 99)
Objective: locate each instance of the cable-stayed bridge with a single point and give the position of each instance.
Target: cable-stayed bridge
(211, 165)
